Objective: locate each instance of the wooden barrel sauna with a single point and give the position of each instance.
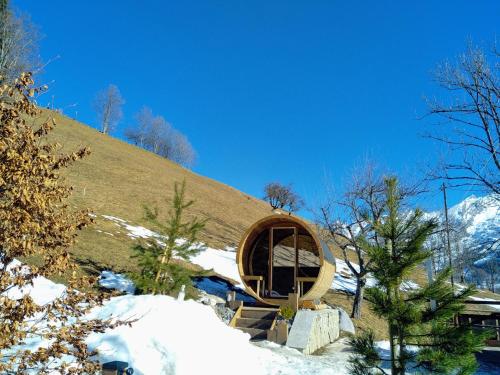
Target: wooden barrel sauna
(281, 254)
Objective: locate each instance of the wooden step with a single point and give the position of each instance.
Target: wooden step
(253, 323)
(255, 333)
(259, 313)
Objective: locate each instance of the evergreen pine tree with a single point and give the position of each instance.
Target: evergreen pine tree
(160, 273)
(399, 248)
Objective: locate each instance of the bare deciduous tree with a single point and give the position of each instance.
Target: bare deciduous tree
(471, 126)
(155, 134)
(108, 106)
(158, 135)
(182, 151)
(463, 253)
(281, 196)
(138, 133)
(491, 267)
(345, 221)
(18, 44)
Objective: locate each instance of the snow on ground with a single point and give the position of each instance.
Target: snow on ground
(344, 278)
(134, 231)
(183, 338)
(332, 360)
(408, 285)
(111, 280)
(222, 262)
(42, 291)
(187, 337)
(173, 337)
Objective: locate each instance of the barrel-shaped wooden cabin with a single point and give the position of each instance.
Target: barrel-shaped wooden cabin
(281, 254)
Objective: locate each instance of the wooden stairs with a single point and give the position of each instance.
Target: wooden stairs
(256, 321)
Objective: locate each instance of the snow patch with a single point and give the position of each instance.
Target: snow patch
(116, 281)
(42, 291)
(115, 219)
(222, 262)
(345, 279)
(134, 231)
(409, 285)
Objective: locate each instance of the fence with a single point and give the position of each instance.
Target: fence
(482, 319)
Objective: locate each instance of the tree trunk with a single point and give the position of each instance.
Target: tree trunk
(358, 298)
(394, 367)
(164, 258)
(401, 352)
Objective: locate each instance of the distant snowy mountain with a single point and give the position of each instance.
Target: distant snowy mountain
(478, 221)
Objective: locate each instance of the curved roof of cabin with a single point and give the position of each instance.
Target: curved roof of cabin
(275, 219)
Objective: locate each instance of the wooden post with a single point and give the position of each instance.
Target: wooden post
(231, 296)
(234, 305)
(231, 301)
(296, 288)
(270, 268)
(293, 301)
(281, 332)
(278, 334)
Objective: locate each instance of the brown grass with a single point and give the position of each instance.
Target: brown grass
(118, 179)
(368, 319)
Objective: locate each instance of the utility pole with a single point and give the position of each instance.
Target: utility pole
(430, 277)
(447, 228)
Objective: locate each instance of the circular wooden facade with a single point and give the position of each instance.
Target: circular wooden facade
(279, 255)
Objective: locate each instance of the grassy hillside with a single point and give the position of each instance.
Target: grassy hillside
(117, 179)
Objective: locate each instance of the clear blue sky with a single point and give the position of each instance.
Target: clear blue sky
(267, 90)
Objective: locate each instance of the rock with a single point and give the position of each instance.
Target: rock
(182, 293)
(311, 330)
(224, 313)
(346, 324)
(209, 299)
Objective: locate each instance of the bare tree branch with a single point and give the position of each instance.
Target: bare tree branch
(472, 121)
(19, 39)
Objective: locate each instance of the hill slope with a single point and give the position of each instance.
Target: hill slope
(118, 179)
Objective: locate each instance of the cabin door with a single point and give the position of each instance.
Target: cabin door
(282, 262)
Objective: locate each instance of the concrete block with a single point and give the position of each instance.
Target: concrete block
(346, 323)
(311, 330)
